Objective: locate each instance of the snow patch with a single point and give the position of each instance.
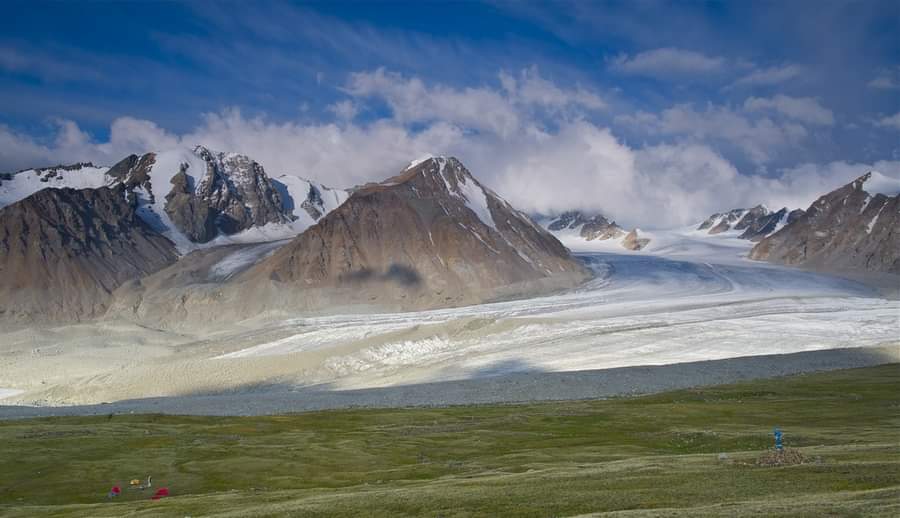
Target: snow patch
(423, 158)
(871, 224)
(476, 200)
(25, 183)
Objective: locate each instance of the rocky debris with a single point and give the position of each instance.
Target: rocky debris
(62, 251)
(846, 229)
(784, 457)
(633, 242)
(432, 236)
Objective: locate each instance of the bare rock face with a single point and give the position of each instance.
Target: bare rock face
(191, 214)
(846, 229)
(239, 192)
(601, 228)
(63, 251)
(432, 236)
(633, 242)
(756, 223)
(221, 193)
(571, 220)
(573, 226)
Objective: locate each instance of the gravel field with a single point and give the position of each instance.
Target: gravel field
(510, 388)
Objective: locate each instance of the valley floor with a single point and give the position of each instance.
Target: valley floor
(684, 299)
(684, 453)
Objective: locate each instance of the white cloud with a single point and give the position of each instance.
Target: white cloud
(770, 76)
(411, 101)
(532, 89)
(760, 139)
(892, 121)
(344, 110)
(667, 61)
(531, 150)
(803, 109)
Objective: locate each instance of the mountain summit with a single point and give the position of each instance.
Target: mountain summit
(430, 236)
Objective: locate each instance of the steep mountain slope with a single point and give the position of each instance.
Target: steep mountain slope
(573, 228)
(754, 224)
(63, 251)
(195, 197)
(432, 234)
(430, 237)
(846, 229)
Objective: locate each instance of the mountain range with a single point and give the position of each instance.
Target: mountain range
(180, 235)
(211, 234)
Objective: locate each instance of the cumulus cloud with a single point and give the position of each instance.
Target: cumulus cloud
(769, 76)
(760, 138)
(530, 146)
(667, 61)
(803, 109)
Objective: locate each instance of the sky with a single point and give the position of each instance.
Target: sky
(655, 113)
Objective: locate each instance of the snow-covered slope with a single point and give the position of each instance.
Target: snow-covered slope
(195, 197)
(18, 186)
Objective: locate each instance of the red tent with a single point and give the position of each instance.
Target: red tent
(161, 492)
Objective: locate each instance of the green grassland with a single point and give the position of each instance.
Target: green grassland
(652, 455)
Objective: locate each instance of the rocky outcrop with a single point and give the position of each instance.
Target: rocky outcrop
(63, 251)
(722, 222)
(846, 229)
(222, 193)
(238, 191)
(755, 223)
(601, 228)
(567, 220)
(575, 228)
(633, 242)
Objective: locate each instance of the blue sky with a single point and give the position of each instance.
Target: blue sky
(717, 102)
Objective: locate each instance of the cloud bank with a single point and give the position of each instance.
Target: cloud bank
(524, 136)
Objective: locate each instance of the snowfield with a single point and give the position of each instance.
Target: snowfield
(687, 297)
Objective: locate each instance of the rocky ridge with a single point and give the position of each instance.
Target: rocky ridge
(846, 229)
(595, 228)
(754, 223)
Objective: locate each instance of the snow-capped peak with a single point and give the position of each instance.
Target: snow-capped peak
(421, 159)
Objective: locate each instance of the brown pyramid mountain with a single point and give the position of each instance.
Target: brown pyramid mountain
(63, 251)
(431, 236)
(847, 229)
